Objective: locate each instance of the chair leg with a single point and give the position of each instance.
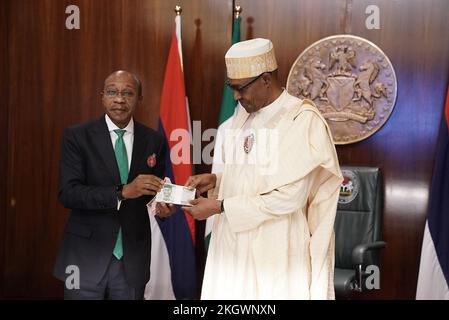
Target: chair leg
(358, 285)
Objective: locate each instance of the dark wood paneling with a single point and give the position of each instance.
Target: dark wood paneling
(291, 25)
(414, 36)
(4, 9)
(57, 75)
(40, 98)
(52, 77)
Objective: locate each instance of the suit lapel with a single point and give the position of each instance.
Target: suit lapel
(139, 147)
(102, 140)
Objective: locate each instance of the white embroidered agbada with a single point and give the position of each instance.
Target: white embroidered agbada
(275, 238)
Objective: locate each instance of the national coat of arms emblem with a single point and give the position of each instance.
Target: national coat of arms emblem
(350, 80)
(349, 187)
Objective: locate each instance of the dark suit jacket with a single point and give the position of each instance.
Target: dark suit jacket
(88, 178)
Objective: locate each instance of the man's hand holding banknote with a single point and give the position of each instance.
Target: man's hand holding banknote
(202, 208)
(147, 184)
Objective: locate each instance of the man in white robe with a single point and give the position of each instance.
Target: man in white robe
(275, 202)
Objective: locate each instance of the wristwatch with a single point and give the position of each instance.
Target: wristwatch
(118, 191)
(222, 206)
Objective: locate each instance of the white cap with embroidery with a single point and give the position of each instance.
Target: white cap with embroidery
(247, 59)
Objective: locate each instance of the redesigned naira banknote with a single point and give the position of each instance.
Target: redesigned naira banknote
(175, 194)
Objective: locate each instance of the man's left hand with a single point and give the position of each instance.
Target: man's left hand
(203, 208)
(164, 210)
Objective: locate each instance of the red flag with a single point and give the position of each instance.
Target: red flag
(176, 236)
(175, 120)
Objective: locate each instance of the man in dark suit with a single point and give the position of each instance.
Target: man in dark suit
(110, 169)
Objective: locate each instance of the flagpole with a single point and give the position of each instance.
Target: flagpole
(178, 11)
(237, 11)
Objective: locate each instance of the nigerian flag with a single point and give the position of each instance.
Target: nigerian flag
(227, 110)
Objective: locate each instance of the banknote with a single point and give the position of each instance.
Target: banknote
(172, 193)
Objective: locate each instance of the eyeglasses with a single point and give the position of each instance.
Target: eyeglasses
(112, 93)
(242, 88)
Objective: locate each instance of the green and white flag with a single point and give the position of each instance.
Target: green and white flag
(227, 110)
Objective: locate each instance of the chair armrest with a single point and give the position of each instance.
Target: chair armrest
(358, 252)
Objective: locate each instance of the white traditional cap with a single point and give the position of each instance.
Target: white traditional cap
(247, 59)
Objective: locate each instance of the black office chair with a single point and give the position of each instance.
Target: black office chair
(357, 227)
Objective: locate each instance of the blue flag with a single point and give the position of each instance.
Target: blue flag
(433, 279)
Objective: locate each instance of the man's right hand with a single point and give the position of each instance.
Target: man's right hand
(143, 184)
(202, 182)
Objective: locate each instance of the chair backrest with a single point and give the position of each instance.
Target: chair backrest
(359, 213)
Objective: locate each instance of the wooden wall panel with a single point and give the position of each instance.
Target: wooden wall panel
(4, 9)
(291, 25)
(56, 77)
(41, 91)
(53, 77)
(414, 36)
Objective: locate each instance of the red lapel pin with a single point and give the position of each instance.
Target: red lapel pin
(151, 161)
